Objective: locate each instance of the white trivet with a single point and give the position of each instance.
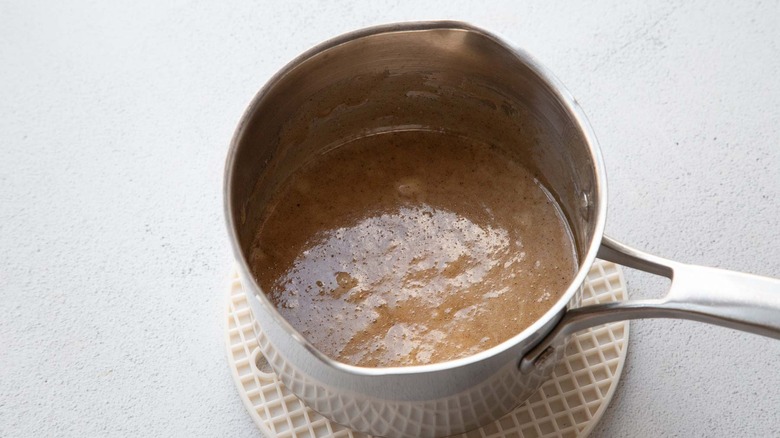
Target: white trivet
(568, 405)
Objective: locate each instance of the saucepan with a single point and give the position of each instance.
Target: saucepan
(453, 77)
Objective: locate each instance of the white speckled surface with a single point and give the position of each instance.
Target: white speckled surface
(114, 123)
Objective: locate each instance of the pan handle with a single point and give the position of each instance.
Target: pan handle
(730, 299)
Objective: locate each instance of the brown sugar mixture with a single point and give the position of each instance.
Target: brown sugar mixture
(410, 248)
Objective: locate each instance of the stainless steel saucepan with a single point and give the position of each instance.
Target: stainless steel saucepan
(453, 77)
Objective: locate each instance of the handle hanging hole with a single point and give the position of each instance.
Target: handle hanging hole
(260, 366)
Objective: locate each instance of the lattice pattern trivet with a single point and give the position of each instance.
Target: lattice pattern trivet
(568, 405)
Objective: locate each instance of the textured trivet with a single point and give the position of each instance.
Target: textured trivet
(568, 405)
